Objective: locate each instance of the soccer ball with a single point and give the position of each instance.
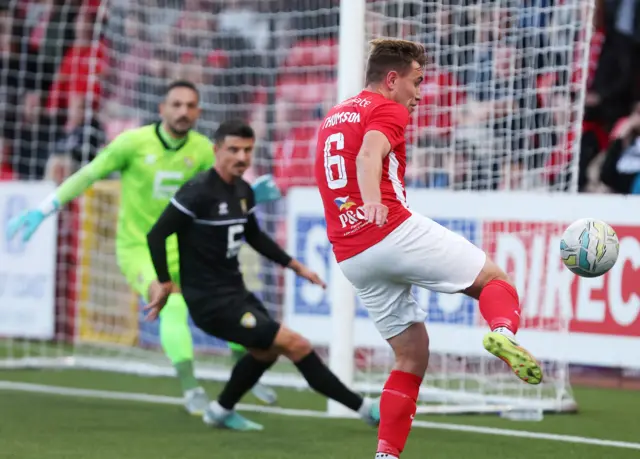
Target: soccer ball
(589, 247)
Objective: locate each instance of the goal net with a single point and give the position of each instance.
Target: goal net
(500, 116)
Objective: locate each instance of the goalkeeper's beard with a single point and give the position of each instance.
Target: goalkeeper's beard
(180, 132)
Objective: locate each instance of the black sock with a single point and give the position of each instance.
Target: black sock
(322, 380)
(245, 374)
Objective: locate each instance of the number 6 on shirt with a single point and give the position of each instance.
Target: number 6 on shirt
(335, 161)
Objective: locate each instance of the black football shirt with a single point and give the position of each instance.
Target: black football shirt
(212, 219)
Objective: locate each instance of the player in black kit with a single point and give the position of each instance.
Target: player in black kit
(212, 214)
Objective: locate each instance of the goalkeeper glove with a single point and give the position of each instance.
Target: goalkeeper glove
(265, 189)
(30, 220)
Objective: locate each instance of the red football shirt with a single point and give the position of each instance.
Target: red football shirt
(339, 141)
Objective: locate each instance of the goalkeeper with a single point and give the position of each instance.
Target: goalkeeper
(154, 162)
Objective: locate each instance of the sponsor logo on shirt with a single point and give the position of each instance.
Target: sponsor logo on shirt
(344, 203)
(350, 214)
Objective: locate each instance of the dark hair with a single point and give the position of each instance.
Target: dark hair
(234, 128)
(389, 54)
(182, 84)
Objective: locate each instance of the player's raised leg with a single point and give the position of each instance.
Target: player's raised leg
(440, 260)
(456, 265)
(500, 306)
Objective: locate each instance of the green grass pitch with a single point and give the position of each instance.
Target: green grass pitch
(44, 426)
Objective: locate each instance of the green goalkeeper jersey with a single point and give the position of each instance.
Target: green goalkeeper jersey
(152, 167)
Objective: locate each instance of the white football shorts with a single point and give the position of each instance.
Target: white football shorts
(419, 252)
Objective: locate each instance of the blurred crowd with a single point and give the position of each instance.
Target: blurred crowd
(503, 100)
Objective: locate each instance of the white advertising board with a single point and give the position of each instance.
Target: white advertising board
(27, 270)
(521, 232)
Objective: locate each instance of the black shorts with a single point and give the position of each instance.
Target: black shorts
(240, 319)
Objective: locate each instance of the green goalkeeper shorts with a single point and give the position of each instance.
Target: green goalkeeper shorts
(137, 267)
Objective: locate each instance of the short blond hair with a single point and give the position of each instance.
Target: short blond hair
(387, 54)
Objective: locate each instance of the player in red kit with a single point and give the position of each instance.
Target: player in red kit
(384, 249)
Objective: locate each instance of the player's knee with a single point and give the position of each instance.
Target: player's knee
(292, 344)
(300, 348)
(490, 272)
(411, 349)
(264, 355)
(413, 361)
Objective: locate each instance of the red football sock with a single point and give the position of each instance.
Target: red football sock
(500, 305)
(397, 409)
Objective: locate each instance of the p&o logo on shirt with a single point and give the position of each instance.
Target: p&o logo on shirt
(350, 213)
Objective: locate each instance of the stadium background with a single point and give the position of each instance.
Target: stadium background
(520, 96)
(75, 73)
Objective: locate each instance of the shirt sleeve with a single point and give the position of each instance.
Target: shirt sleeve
(258, 239)
(188, 198)
(114, 157)
(171, 221)
(391, 119)
(263, 244)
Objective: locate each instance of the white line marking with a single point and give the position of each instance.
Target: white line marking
(527, 434)
(165, 400)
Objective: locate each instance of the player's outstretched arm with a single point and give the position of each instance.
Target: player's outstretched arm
(375, 147)
(263, 244)
(112, 158)
(170, 222)
(268, 248)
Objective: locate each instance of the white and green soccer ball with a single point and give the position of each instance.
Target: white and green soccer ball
(589, 247)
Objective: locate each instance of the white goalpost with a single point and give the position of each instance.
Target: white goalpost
(351, 49)
(492, 151)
